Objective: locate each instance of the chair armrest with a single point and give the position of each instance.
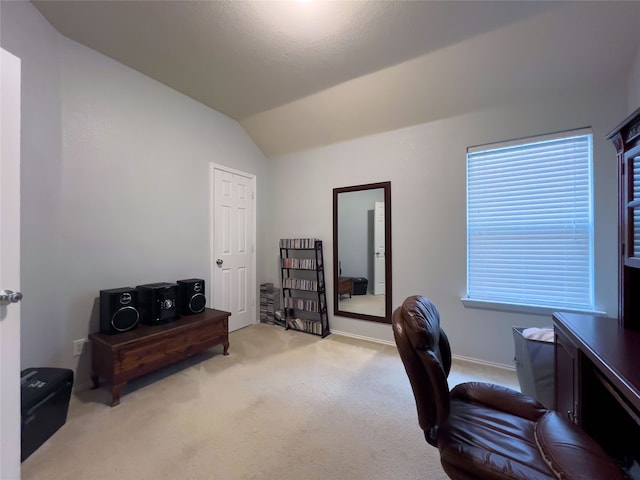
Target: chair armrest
(500, 398)
(570, 452)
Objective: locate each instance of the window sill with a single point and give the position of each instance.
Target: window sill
(522, 308)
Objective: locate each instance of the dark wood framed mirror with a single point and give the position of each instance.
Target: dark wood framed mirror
(362, 252)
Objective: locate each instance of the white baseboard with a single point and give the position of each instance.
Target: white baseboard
(484, 363)
(459, 358)
(362, 337)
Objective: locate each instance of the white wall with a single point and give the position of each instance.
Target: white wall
(634, 83)
(115, 188)
(426, 167)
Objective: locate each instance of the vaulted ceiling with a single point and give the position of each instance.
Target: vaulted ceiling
(300, 74)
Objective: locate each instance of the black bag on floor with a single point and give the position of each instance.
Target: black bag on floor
(45, 394)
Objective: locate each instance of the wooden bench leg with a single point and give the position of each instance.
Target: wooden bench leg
(115, 393)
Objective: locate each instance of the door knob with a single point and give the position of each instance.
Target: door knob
(219, 262)
(7, 297)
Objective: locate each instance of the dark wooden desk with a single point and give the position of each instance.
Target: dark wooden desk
(128, 355)
(597, 369)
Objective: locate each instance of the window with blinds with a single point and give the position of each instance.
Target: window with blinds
(634, 205)
(530, 222)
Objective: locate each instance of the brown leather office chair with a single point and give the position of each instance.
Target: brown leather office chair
(487, 431)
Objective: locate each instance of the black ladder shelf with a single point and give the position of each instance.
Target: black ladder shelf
(303, 286)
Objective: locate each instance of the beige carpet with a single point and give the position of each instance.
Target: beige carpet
(282, 405)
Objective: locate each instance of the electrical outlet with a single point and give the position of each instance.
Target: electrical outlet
(78, 347)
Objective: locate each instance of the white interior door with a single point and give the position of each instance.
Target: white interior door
(379, 249)
(9, 267)
(233, 251)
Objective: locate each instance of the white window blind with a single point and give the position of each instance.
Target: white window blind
(529, 222)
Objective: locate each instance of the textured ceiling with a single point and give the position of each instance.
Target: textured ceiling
(298, 75)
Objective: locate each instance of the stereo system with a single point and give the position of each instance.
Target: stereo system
(122, 309)
(191, 297)
(118, 310)
(158, 302)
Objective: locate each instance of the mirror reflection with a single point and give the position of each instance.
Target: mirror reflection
(362, 252)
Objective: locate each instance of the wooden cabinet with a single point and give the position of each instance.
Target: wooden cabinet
(125, 356)
(345, 286)
(598, 382)
(303, 285)
(626, 139)
(567, 390)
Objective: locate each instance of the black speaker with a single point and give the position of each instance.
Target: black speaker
(158, 302)
(191, 297)
(118, 310)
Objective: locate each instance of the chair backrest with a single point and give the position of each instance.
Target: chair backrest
(426, 355)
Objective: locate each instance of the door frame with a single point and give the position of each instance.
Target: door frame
(212, 238)
(10, 269)
(378, 287)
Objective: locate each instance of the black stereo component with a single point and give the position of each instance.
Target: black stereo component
(191, 298)
(118, 310)
(158, 302)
